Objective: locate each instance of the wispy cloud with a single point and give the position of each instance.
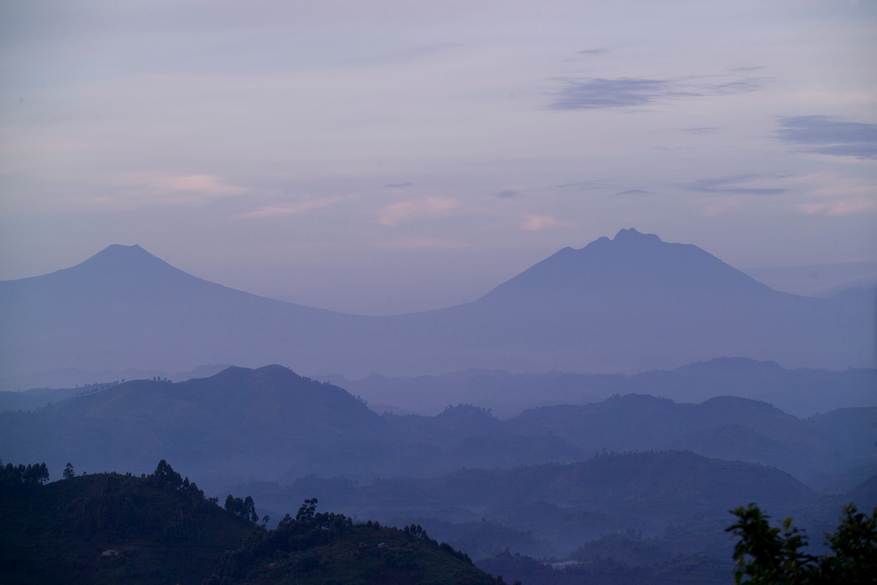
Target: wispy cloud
(415, 209)
(608, 93)
(151, 190)
(634, 192)
(398, 185)
(701, 130)
(831, 194)
(507, 194)
(421, 243)
(832, 136)
(407, 54)
(627, 92)
(844, 207)
(732, 185)
(539, 222)
(593, 52)
(293, 208)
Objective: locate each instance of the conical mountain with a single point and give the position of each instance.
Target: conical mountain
(631, 264)
(627, 304)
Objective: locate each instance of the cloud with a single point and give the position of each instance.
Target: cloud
(398, 185)
(626, 92)
(415, 209)
(831, 136)
(292, 209)
(608, 93)
(406, 54)
(539, 222)
(583, 185)
(831, 194)
(735, 87)
(731, 185)
(507, 194)
(151, 190)
(843, 207)
(206, 184)
(595, 52)
(702, 130)
(634, 192)
(419, 244)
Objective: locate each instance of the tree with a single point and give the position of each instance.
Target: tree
(307, 510)
(165, 477)
(772, 555)
(855, 549)
(68, 471)
(245, 508)
(13, 476)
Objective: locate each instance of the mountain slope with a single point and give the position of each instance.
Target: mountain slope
(270, 422)
(628, 304)
(240, 422)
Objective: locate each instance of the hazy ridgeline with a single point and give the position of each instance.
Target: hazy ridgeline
(630, 304)
(637, 468)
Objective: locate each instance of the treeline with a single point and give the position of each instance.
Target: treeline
(13, 477)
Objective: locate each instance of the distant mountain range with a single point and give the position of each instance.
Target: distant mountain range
(628, 304)
(543, 482)
(270, 423)
(802, 392)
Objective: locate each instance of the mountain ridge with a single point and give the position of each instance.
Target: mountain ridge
(629, 304)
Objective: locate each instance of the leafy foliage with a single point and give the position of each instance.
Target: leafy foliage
(768, 554)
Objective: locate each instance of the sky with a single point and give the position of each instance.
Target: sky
(387, 157)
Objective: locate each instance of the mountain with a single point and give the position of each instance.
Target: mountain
(272, 424)
(802, 392)
(551, 509)
(261, 423)
(628, 304)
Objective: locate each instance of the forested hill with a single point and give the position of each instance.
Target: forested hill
(159, 529)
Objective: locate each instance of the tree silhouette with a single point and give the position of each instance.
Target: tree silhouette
(768, 555)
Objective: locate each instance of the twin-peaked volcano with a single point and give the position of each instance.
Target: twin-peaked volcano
(627, 304)
(630, 264)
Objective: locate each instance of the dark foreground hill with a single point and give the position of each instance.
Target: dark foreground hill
(628, 304)
(270, 423)
(112, 528)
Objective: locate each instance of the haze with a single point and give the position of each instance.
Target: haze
(407, 156)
